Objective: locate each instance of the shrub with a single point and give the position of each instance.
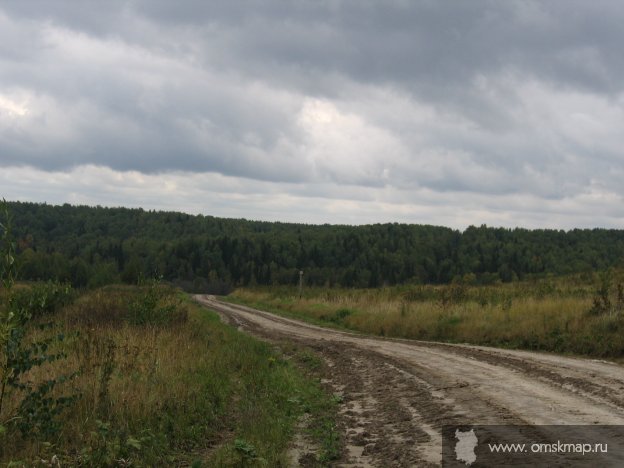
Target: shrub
(34, 407)
(156, 305)
(605, 301)
(153, 304)
(44, 298)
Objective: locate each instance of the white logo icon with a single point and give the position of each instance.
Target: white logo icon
(465, 446)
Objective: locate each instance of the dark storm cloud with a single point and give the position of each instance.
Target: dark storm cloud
(412, 44)
(408, 43)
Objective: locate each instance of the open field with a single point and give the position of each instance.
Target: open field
(568, 315)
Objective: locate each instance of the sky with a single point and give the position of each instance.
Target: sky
(505, 113)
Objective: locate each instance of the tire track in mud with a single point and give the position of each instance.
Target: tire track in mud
(603, 389)
(397, 394)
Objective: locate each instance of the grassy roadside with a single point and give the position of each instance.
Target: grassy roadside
(158, 380)
(278, 387)
(289, 305)
(582, 314)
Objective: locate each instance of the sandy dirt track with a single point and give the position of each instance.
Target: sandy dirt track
(398, 394)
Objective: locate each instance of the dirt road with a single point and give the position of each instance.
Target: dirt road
(398, 394)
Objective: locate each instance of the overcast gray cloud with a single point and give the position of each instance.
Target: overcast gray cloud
(456, 113)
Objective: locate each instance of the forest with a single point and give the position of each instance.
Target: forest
(95, 246)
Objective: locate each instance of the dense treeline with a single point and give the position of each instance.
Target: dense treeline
(92, 246)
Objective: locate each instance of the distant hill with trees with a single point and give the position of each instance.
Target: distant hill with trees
(92, 246)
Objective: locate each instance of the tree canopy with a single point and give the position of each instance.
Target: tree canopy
(91, 246)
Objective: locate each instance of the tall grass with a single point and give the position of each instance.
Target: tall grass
(552, 314)
(179, 389)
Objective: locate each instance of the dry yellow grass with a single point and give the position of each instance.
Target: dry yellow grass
(164, 394)
(126, 374)
(547, 315)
